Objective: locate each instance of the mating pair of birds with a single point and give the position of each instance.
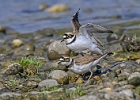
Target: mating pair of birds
(83, 40)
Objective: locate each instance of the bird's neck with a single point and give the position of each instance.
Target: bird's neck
(70, 63)
(71, 40)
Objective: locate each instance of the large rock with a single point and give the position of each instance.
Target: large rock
(56, 49)
(134, 79)
(60, 76)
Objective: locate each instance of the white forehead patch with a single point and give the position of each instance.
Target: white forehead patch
(64, 36)
(61, 59)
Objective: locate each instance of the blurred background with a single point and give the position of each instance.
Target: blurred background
(30, 15)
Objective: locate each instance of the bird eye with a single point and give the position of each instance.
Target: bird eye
(68, 36)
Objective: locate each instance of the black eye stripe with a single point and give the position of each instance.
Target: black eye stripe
(65, 34)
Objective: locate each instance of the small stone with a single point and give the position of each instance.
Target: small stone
(122, 77)
(97, 78)
(134, 79)
(3, 89)
(79, 81)
(10, 96)
(87, 97)
(138, 61)
(48, 66)
(128, 94)
(48, 82)
(17, 43)
(35, 93)
(30, 47)
(32, 84)
(118, 71)
(4, 48)
(138, 69)
(128, 87)
(72, 77)
(55, 95)
(108, 90)
(60, 76)
(58, 8)
(34, 98)
(13, 69)
(103, 75)
(122, 83)
(112, 74)
(25, 49)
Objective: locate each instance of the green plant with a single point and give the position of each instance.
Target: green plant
(72, 94)
(69, 94)
(50, 88)
(137, 90)
(13, 82)
(79, 91)
(26, 61)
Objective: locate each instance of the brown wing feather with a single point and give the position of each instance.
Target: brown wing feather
(93, 28)
(75, 23)
(98, 29)
(85, 59)
(92, 35)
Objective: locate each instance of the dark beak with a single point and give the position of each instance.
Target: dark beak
(59, 62)
(62, 40)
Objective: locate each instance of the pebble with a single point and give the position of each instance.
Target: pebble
(17, 43)
(128, 94)
(13, 69)
(10, 96)
(60, 76)
(87, 97)
(134, 79)
(47, 82)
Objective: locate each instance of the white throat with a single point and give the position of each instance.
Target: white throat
(71, 40)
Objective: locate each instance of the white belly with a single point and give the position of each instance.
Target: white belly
(81, 69)
(81, 44)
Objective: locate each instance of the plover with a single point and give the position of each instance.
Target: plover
(81, 65)
(83, 38)
(79, 44)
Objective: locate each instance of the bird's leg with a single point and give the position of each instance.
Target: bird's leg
(89, 76)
